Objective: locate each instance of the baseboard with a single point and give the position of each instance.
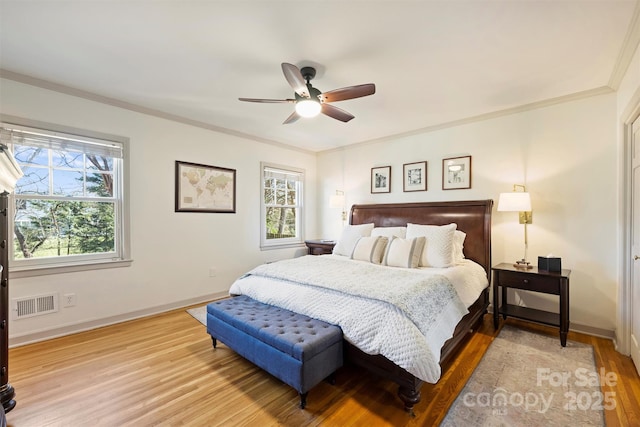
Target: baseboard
(47, 334)
(43, 335)
(592, 330)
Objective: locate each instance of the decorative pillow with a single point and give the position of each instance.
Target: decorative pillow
(370, 249)
(349, 238)
(404, 252)
(390, 232)
(458, 246)
(438, 249)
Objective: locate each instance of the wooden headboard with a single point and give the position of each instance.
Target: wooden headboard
(473, 217)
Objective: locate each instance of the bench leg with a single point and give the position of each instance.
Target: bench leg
(331, 379)
(303, 400)
(215, 342)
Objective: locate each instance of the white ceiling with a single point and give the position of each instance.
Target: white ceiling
(433, 62)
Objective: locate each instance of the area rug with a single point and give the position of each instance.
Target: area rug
(527, 379)
(199, 313)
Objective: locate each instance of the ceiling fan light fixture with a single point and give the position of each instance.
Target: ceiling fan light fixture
(309, 101)
(308, 108)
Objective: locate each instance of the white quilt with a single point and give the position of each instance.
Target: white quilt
(405, 315)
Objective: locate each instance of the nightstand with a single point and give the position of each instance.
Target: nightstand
(320, 247)
(547, 282)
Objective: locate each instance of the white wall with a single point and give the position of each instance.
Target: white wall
(172, 252)
(566, 155)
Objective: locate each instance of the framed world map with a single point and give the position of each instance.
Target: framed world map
(203, 188)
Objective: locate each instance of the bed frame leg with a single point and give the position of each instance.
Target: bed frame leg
(215, 342)
(409, 396)
(303, 400)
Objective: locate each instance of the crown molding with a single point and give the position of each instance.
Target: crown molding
(627, 51)
(603, 90)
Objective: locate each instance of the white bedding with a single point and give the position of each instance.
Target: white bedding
(468, 278)
(373, 325)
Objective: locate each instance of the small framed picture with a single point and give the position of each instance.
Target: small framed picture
(204, 188)
(415, 176)
(456, 173)
(381, 179)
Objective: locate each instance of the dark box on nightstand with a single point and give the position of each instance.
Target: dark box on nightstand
(549, 264)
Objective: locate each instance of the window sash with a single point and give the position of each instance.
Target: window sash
(51, 170)
(61, 239)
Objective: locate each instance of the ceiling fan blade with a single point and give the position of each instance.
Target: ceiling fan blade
(348, 93)
(292, 118)
(267, 100)
(336, 113)
(295, 79)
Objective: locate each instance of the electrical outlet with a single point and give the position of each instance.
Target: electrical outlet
(69, 300)
(213, 272)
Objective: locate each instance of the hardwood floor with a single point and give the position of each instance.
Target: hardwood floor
(163, 371)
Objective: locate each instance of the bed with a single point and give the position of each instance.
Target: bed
(406, 358)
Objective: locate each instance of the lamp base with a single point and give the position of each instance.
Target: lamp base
(523, 264)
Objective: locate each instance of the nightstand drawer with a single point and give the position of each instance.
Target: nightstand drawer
(530, 282)
(318, 250)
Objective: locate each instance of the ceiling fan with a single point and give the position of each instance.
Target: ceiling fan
(310, 101)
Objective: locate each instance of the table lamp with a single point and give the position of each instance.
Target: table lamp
(518, 201)
(337, 201)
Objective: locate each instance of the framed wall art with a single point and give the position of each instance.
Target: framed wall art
(203, 188)
(381, 179)
(414, 176)
(456, 173)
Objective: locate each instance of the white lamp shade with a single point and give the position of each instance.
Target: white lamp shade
(514, 202)
(336, 201)
(10, 172)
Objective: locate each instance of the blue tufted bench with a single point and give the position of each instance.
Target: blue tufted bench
(296, 349)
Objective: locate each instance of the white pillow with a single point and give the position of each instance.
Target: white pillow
(349, 238)
(370, 249)
(404, 252)
(458, 246)
(390, 232)
(438, 249)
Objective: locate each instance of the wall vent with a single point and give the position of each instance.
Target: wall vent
(35, 305)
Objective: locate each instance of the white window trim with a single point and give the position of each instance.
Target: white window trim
(123, 232)
(281, 243)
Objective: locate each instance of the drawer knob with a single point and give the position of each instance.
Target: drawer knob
(525, 281)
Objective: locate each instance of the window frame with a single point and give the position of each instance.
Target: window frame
(121, 257)
(266, 244)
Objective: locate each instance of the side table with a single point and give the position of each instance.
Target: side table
(320, 247)
(506, 276)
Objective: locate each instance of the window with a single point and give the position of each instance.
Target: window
(282, 213)
(69, 206)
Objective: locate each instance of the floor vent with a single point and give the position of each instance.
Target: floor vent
(35, 306)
